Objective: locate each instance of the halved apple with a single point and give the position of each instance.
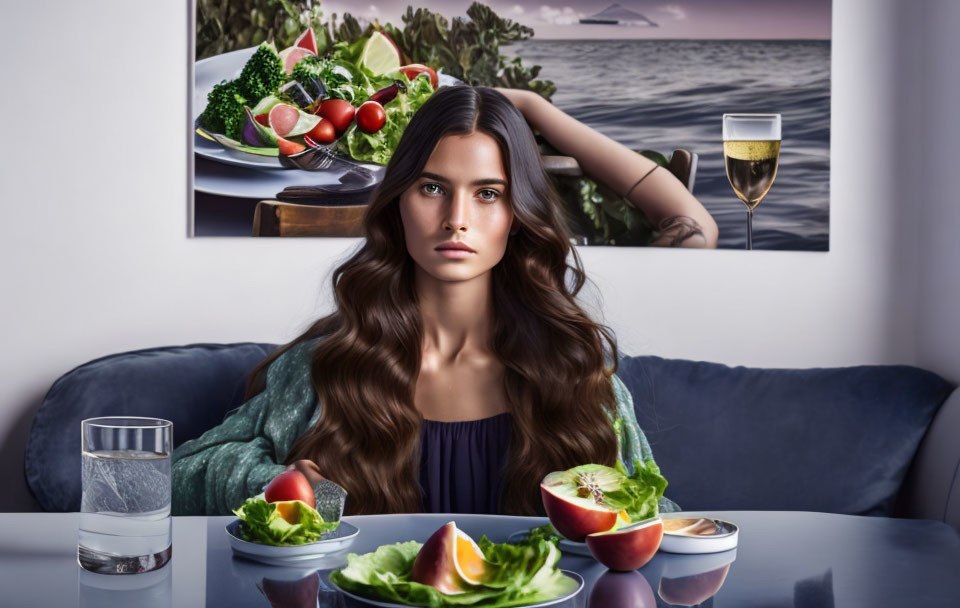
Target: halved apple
(449, 561)
(628, 547)
(574, 500)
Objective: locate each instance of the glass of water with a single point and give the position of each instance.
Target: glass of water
(125, 524)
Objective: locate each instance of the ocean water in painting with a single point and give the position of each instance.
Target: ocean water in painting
(668, 94)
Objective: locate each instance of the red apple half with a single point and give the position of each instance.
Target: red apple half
(574, 500)
(450, 561)
(629, 547)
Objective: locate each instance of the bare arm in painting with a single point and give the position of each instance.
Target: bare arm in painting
(680, 218)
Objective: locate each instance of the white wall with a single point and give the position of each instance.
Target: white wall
(936, 148)
(96, 258)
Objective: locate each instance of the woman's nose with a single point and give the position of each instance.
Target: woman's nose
(458, 213)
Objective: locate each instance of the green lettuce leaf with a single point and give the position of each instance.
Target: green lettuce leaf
(265, 105)
(226, 142)
(262, 523)
(378, 147)
(517, 575)
(641, 491)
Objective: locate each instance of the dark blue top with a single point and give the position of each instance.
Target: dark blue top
(462, 464)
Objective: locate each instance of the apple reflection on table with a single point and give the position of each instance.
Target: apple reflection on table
(289, 587)
(683, 580)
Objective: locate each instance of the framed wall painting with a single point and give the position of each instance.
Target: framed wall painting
(658, 77)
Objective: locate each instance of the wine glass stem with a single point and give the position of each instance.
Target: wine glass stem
(749, 228)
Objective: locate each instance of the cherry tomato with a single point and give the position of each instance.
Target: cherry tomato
(339, 112)
(411, 71)
(263, 119)
(290, 485)
(323, 133)
(370, 117)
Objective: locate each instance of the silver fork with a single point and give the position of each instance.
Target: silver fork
(321, 159)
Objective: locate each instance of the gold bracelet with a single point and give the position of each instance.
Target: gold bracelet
(640, 180)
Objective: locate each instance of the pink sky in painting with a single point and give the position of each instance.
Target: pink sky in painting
(740, 19)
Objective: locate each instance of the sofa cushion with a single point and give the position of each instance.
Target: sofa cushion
(833, 439)
(192, 386)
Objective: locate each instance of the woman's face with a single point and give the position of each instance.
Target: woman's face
(462, 196)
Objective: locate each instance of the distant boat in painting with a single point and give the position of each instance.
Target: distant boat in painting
(616, 14)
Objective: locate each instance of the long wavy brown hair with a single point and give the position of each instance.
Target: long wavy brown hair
(558, 362)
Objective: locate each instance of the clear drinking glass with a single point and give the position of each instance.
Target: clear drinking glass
(125, 524)
(751, 153)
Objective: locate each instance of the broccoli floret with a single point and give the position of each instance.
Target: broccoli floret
(224, 112)
(307, 69)
(262, 74)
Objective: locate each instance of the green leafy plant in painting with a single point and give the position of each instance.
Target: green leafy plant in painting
(229, 25)
(599, 216)
(469, 49)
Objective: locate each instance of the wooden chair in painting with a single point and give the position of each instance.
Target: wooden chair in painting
(278, 218)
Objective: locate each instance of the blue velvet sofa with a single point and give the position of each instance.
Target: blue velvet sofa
(867, 440)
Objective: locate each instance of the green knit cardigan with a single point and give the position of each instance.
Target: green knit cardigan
(217, 471)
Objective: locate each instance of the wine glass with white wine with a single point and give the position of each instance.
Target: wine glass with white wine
(751, 153)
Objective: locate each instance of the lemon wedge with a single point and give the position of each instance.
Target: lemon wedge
(380, 55)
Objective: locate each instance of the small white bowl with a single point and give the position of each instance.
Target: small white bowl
(720, 535)
(273, 555)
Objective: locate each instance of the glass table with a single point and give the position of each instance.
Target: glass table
(783, 559)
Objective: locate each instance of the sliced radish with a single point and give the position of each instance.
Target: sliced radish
(307, 40)
(283, 118)
(292, 56)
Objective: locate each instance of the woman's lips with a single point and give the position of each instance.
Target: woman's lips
(454, 249)
(455, 253)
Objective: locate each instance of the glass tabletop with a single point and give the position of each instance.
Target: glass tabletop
(795, 559)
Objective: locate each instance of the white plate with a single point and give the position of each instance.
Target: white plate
(724, 540)
(243, 182)
(568, 573)
(331, 542)
(565, 545)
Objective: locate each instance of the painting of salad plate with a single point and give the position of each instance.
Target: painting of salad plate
(573, 576)
(272, 82)
(332, 542)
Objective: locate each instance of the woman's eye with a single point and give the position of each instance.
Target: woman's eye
(489, 195)
(431, 189)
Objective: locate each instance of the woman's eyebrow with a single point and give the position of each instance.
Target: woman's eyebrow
(476, 182)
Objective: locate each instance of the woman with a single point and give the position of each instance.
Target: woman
(457, 369)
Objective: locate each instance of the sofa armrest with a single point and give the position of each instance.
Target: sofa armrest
(932, 488)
